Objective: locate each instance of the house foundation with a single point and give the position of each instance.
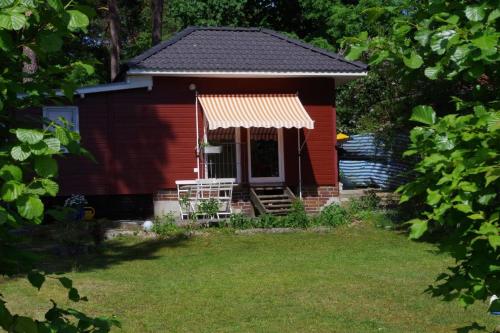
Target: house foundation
(317, 197)
(314, 198)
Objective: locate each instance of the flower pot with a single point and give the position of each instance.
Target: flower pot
(88, 213)
(212, 149)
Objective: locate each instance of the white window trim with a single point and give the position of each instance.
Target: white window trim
(74, 111)
(281, 162)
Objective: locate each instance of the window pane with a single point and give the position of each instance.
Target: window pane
(68, 113)
(222, 165)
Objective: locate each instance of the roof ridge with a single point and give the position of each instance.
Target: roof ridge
(227, 28)
(166, 43)
(313, 48)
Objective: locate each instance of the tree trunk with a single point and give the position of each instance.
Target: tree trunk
(114, 33)
(157, 11)
(29, 68)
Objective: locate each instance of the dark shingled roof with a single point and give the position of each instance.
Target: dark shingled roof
(214, 49)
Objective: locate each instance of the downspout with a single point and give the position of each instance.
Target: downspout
(300, 147)
(299, 150)
(197, 137)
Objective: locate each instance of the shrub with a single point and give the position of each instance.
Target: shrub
(165, 226)
(368, 202)
(297, 218)
(333, 215)
(208, 208)
(240, 221)
(269, 221)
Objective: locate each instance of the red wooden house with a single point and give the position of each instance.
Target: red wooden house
(261, 97)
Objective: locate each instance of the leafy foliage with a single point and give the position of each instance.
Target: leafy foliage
(443, 45)
(165, 226)
(459, 181)
(29, 150)
(332, 215)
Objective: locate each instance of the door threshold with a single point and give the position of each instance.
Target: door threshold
(267, 184)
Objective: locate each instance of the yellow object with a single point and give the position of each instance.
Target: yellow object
(89, 213)
(342, 137)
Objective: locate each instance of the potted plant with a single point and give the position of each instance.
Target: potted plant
(209, 149)
(77, 202)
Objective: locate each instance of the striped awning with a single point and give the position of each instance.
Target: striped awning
(254, 110)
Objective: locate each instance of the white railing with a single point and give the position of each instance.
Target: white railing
(193, 195)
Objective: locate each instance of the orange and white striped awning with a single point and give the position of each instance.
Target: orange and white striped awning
(254, 110)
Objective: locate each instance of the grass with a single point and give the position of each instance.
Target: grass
(353, 279)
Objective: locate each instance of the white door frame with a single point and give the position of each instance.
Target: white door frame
(281, 162)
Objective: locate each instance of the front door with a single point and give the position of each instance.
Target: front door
(265, 155)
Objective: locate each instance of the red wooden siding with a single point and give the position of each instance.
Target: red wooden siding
(145, 140)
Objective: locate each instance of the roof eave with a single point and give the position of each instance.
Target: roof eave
(245, 74)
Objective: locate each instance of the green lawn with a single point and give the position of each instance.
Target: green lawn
(354, 279)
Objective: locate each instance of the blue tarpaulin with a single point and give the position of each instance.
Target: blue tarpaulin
(366, 161)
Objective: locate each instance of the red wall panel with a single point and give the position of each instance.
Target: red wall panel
(145, 140)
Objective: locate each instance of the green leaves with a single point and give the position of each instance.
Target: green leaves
(460, 168)
(475, 13)
(10, 20)
(6, 3)
(45, 166)
(494, 15)
(49, 41)
(355, 52)
(50, 186)
(11, 190)
(77, 20)
(11, 172)
(53, 144)
(460, 54)
(30, 207)
(494, 241)
(414, 61)
(443, 49)
(418, 228)
(26, 155)
(433, 197)
(442, 40)
(56, 5)
(433, 72)
(422, 36)
(30, 136)
(487, 41)
(62, 135)
(424, 114)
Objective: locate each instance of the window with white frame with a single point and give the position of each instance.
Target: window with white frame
(69, 113)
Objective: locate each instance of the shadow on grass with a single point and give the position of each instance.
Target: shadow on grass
(109, 254)
(471, 328)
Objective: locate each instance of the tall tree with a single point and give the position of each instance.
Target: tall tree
(157, 18)
(114, 34)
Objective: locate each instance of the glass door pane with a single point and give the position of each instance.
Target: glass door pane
(264, 153)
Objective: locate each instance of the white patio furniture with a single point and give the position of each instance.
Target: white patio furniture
(193, 193)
